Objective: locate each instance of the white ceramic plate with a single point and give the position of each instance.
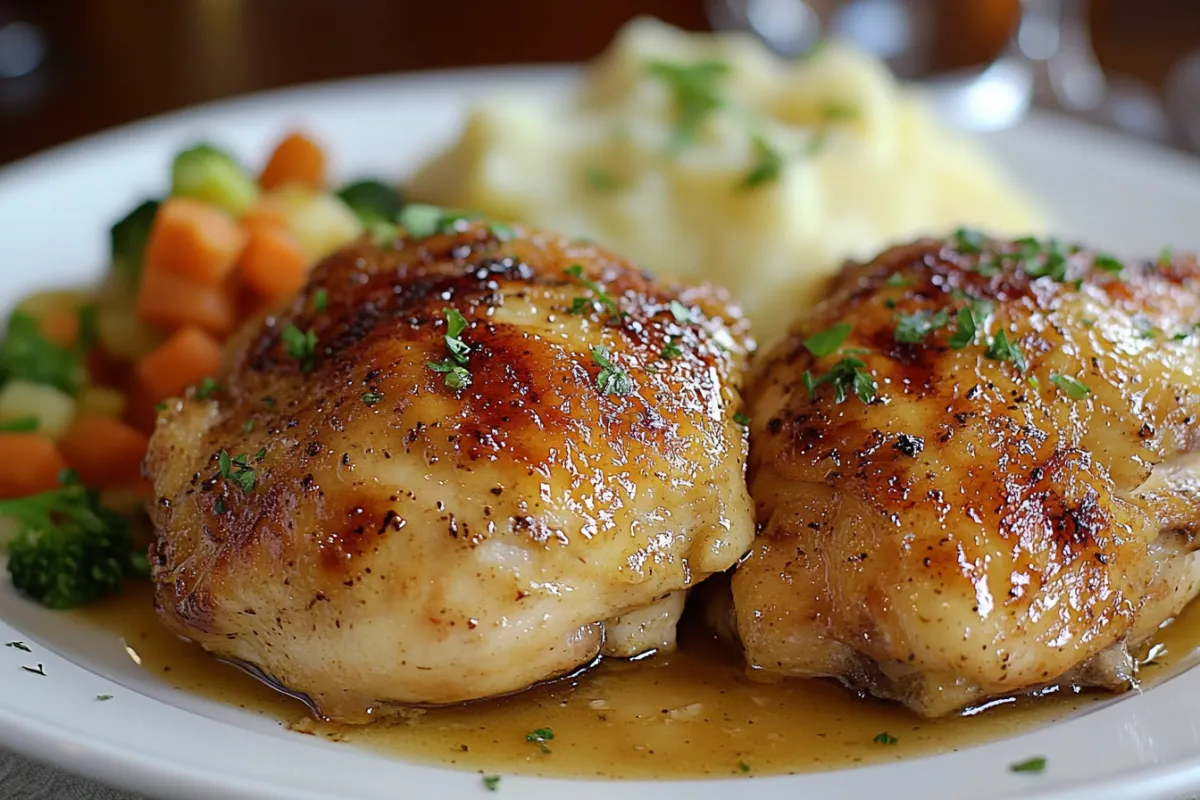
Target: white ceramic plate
(54, 212)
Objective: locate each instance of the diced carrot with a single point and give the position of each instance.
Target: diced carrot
(193, 240)
(262, 216)
(140, 407)
(61, 327)
(103, 450)
(29, 464)
(169, 302)
(297, 159)
(186, 358)
(273, 264)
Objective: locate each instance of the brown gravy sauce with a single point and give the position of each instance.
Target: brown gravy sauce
(689, 714)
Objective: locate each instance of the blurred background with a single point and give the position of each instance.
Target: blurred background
(71, 67)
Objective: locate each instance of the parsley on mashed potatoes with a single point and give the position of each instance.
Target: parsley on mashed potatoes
(707, 156)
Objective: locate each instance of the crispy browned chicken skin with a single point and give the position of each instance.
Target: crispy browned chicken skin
(366, 530)
(1003, 513)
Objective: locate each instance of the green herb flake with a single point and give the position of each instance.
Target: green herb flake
(160, 407)
(491, 782)
(884, 738)
(370, 398)
(38, 670)
(455, 377)
(682, 314)
(207, 388)
(248, 426)
(320, 300)
(671, 349)
(453, 368)
(969, 322)
(1001, 349)
(1052, 262)
(20, 424)
(219, 506)
(897, 281)
(968, 240)
(1032, 765)
(743, 766)
(236, 470)
(502, 232)
(1072, 388)
(742, 419)
(768, 165)
(24, 648)
(300, 346)
(1165, 255)
(695, 92)
(601, 180)
(611, 379)
(103, 698)
(1107, 263)
(581, 304)
(847, 375)
(827, 341)
(913, 328)
(540, 736)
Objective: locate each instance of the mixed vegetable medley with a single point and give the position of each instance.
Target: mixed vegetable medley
(83, 373)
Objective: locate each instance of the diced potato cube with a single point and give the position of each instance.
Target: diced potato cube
(53, 409)
(320, 222)
(101, 400)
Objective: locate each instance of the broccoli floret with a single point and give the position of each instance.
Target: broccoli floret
(27, 355)
(69, 549)
(372, 201)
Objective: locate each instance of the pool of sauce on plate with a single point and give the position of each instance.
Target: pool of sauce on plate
(689, 714)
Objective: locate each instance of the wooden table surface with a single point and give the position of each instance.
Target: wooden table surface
(112, 61)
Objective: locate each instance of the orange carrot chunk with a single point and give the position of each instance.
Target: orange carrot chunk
(273, 264)
(61, 327)
(262, 216)
(104, 451)
(186, 358)
(29, 464)
(169, 302)
(297, 160)
(193, 240)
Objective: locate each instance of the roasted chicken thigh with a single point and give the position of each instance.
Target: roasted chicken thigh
(453, 467)
(974, 471)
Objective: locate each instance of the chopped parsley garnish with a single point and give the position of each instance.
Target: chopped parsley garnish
(24, 648)
(827, 341)
(160, 407)
(502, 232)
(602, 181)
(845, 376)
(695, 91)
(581, 304)
(834, 110)
(671, 349)
(456, 376)
(1052, 263)
(1034, 383)
(247, 426)
(320, 300)
(884, 738)
(987, 267)
(1001, 349)
(219, 506)
(896, 281)
(968, 323)
(768, 165)
(540, 736)
(38, 670)
(103, 697)
(206, 388)
(237, 470)
(20, 424)
(371, 398)
(1071, 387)
(300, 346)
(1035, 765)
(1165, 255)
(491, 782)
(741, 419)
(743, 766)
(969, 241)
(1107, 263)
(913, 328)
(612, 379)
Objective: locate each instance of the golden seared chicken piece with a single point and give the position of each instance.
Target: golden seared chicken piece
(974, 470)
(452, 468)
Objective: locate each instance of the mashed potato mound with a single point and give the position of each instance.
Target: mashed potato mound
(791, 168)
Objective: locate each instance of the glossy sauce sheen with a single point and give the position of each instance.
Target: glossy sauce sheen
(691, 714)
